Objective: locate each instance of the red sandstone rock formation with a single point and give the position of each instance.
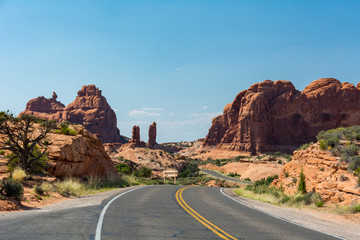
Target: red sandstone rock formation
(78, 156)
(152, 135)
(90, 109)
(324, 174)
(135, 139)
(274, 116)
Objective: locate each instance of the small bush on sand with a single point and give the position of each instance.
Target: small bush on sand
(18, 175)
(38, 190)
(11, 188)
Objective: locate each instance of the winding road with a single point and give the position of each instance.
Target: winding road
(153, 212)
(224, 177)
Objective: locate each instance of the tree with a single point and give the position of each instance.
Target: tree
(24, 137)
(302, 183)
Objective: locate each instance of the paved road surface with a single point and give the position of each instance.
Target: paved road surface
(221, 176)
(156, 212)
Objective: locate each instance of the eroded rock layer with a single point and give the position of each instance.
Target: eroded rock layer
(274, 116)
(325, 174)
(89, 109)
(82, 155)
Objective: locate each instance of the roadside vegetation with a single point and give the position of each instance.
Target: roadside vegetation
(343, 142)
(262, 191)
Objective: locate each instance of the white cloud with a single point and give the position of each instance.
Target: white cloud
(171, 114)
(178, 69)
(204, 107)
(137, 113)
(152, 109)
(198, 119)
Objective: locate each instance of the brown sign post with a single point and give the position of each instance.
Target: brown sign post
(169, 174)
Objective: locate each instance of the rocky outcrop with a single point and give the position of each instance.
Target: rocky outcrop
(152, 135)
(274, 116)
(135, 139)
(78, 156)
(324, 173)
(89, 109)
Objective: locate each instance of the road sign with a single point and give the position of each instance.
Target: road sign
(169, 174)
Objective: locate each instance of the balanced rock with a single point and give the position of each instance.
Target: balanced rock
(89, 109)
(274, 116)
(152, 135)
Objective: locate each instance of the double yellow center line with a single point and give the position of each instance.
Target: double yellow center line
(218, 231)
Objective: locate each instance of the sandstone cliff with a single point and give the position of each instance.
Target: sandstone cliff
(325, 174)
(89, 109)
(274, 116)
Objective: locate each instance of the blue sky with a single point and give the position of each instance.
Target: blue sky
(174, 62)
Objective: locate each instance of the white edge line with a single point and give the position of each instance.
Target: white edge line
(280, 218)
(101, 218)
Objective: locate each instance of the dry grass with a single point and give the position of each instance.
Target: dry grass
(18, 175)
(70, 187)
(256, 196)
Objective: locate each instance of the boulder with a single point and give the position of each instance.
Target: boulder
(78, 156)
(274, 116)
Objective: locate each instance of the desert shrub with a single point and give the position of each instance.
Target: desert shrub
(354, 163)
(322, 169)
(247, 179)
(143, 172)
(351, 150)
(323, 144)
(191, 170)
(124, 168)
(286, 174)
(47, 187)
(69, 187)
(234, 175)
(38, 190)
(11, 188)
(66, 130)
(218, 162)
(113, 181)
(302, 183)
(2, 152)
(18, 174)
(305, 146)
(332, 142)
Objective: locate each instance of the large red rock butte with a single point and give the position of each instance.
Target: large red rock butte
(274, 116)
(89, 109)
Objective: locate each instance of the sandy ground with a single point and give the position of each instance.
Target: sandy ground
(344, 226)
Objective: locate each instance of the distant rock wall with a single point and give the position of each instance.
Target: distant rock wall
(274, 116)
(89, 109)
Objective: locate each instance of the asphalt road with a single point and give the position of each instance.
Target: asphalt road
(221, 176)
(155, 212)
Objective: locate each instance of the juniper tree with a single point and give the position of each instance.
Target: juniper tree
(24, 137)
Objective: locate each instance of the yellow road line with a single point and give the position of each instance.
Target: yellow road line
(215, 229)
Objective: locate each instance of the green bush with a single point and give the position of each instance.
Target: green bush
(66, 130)
(302, 183)
(305, 146)
(11, 188)
(191, 170)
(124, 168)
(2, 152)
(143, 172)
(38, 190)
